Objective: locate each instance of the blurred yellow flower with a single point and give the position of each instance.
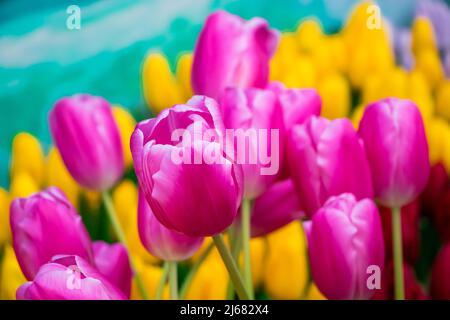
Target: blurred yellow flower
(11, 276)
(22, 185)
(284, 57)
(5, 230)
(286, 271)
(429, 63)
(419, 91)
(160, 87)
(151, 276)
(125, 200)
(357, 115)
(438, 134)
(126, 124)
(443, 99)
(27, 156)
(184, 67)
(334, 90)
(314, 293)
(58, 176)
(422, 35)
(309, 35)
(301, 74)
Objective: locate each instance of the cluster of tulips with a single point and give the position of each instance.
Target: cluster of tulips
(337, 220)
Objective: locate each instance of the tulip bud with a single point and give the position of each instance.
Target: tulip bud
(162, 242)
(126, 124)
(422, 35)
(327, 158)
(251, 110)
(11, 277)
(68, 277)
(345, 239)
(27, 156)
(207, 193)
(275, 208)
(231, 52)
(410, 218)
(397, 150)
(184, 68)
(114, 264)
(88, 139)
(440, 281)
(44, 225)
(413, 290)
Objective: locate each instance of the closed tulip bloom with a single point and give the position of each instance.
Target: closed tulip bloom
(251, 110)
(440, 279)
(344, 240)
(232, 52)
(87, 137)
(113, 263)
(44, 225)
(397, 150)
(197, 199)
(275, 208)
(161, 242)
(68, 277)
(327, 158)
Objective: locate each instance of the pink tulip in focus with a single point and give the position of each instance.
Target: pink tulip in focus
(256, 116)
(188, 180)
(397, 150)
(113, 263)
(68, 278)
(88, 139)
(44, 225)
(162, 242)
(326, 158)
(232, 52)
(345, 240)
(275, 208)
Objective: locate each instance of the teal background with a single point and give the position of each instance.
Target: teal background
(42, 61)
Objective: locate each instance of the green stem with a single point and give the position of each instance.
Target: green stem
(398, 254)
(111, 212)
(194, 269)
(173, 280)
(231, 266)
(235, 249)
(245, 233)
(162, 281)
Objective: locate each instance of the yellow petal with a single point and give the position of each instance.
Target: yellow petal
(11, 276)
(151, 276)
(286, 272)
(419, 91)
(161, 90)
(429, 63)
(284, 57)
(5, 230)
(126, 124)
(443, 99)
(422, 35)
(309, 35)
(58, 176)
(357, 115)
(184, 68)
(335, 92)
(27, 156)
(438, 134)
(314, 293)
(301, 74)
(22, 185)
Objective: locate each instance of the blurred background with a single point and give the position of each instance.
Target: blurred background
(41, 60)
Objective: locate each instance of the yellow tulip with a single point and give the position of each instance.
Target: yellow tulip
(309, 35)
(429, 63)
(126, 124)
(151, 276)
(357, 115)
(5, 230)
(422, 35)
(335, 92)
(160, 87)
(184, 67)
(286, 271)
(438, 134)
(210, 282)
(125, 200)
(27, 156)
(258, 253)
(314, 293)
(284, 57)
(443, 99)
(301, 74)
(58, 176)
(22, 185)
(11, 276)
(419, 91)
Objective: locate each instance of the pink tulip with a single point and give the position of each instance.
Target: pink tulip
(256, 114)
(113, 263)
(68, 278)
(275, 208)
(162, 242)
(397, 150)
(87, 137)
(440, 278)
(232, 52)
(193, 194)
(326, 158)
(44, 225)
(345, 239)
